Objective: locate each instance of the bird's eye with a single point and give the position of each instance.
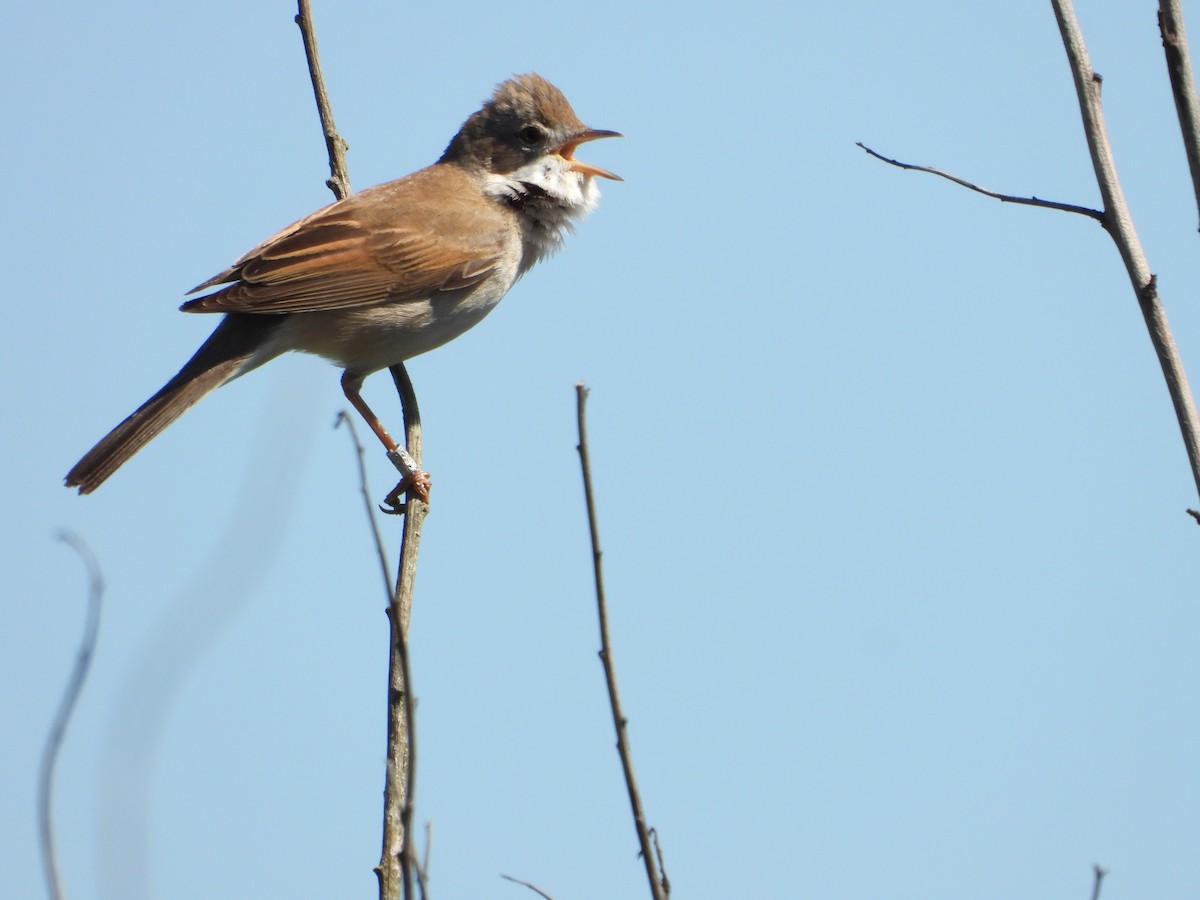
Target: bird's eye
(531, 135)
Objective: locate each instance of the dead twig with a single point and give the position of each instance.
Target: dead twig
(533, 887)
(1099, 877)
(335, 144)
(659, 886)
(987, 192)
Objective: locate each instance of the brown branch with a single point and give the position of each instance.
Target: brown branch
(1119, 224)
(335, 145)
(1099, 874)
(1183, 84)
(66, 706)
(659, 886)
(1006, 198)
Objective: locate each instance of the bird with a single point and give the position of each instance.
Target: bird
(392, 271)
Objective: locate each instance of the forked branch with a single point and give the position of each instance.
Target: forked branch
(1115, 216)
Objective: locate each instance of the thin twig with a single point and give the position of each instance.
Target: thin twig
(1119, 224)
(361, 455)
(659, 886)
(421, 866)
(1007, 198)
(335, 145)
(1183, 83)
(1099, 873)
(533, 887)
(66, 706)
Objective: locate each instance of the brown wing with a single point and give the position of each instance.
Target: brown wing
(396, 241)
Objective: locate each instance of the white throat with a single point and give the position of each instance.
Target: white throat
(550, 197)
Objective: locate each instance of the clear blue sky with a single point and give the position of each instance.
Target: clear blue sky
(892, 497)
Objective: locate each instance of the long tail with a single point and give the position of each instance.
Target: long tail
(227, 349)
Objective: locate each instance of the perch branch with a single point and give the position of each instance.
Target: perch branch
(1183, 84)
(1098, 874)
(66, 706)
(659, 888)
(395, 869)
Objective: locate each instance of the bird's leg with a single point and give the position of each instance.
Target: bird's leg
(416, 480)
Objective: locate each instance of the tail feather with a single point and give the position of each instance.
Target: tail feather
(226, 351)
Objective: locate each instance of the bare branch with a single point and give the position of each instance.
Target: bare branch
(1119, 224)
(1007, 198)
(659, 886)
(1099, 877)
(66, 706)
(533, 887)
(395, 865)
(335, 145)
(397, 861)
(1183, 83)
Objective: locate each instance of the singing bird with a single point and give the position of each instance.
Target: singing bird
(392, 271)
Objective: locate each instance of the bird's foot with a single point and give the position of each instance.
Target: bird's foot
(418, 483)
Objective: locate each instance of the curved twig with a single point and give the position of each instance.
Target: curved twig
(659, 886)
(66, 706)
(987, 192)
(533, 887)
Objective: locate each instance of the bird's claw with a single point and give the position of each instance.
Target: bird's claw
(418, 483)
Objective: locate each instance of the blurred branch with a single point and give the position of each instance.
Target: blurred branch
(335, 144)
(1099, 877)
(66, 706)
(659, 886)
(1183, 83)
(368, 504)
(533, 887)
(397, 860)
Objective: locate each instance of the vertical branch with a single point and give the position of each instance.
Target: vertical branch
(396, 863)
(335, 145)
(659, 886)
(1119, 224)
(58, 729)
(1183, 84)
(395, 869)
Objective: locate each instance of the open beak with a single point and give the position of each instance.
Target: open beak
(567, 149)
